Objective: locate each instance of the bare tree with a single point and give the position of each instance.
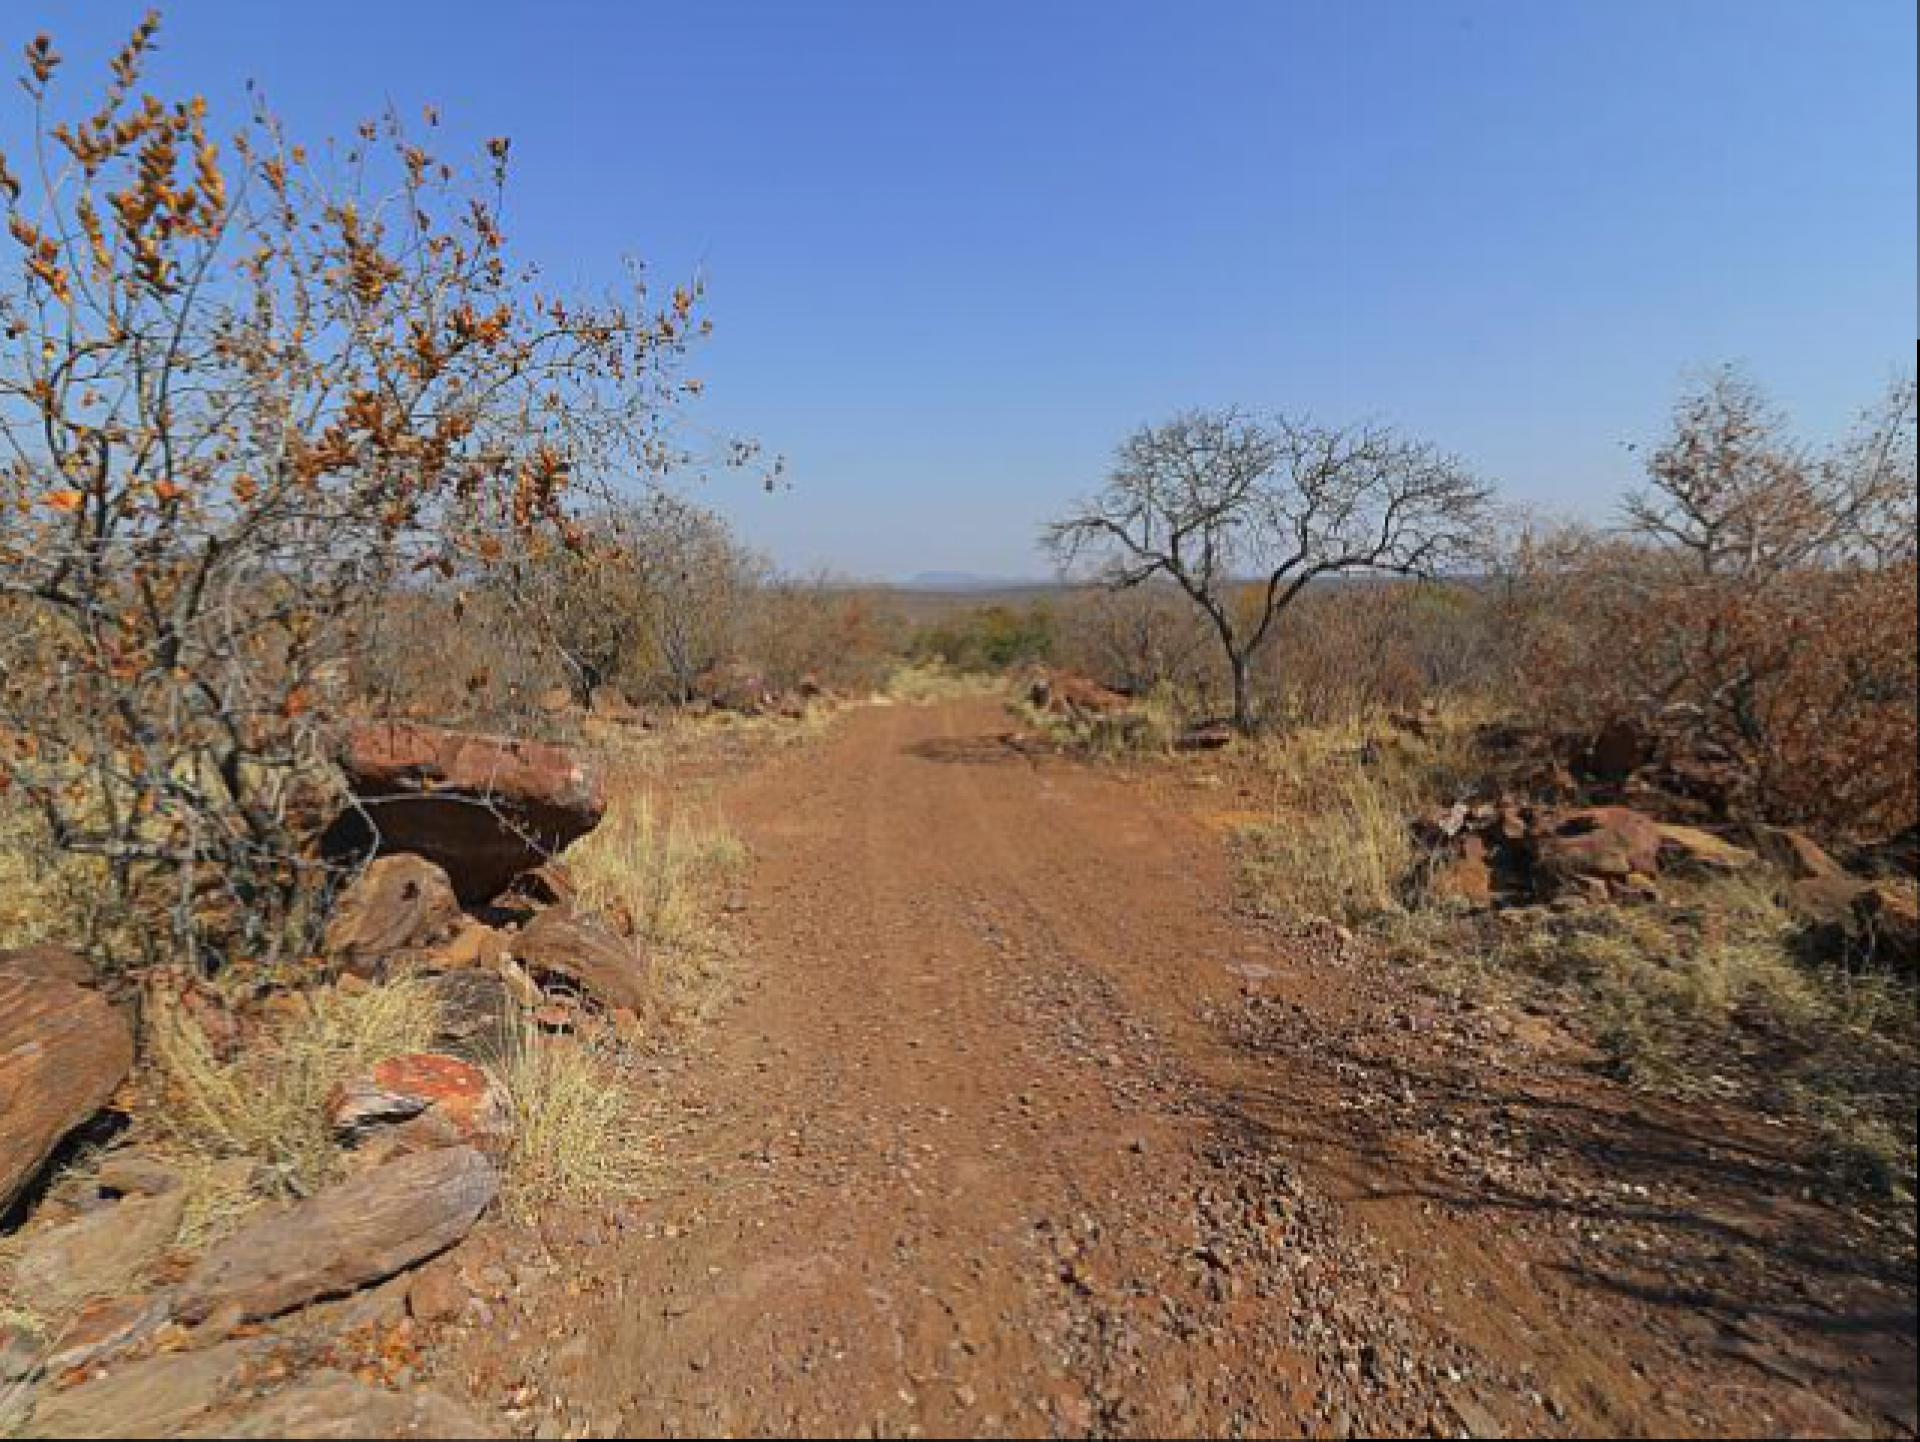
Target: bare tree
(1244, 513)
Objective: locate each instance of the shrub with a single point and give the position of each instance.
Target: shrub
(248, 396)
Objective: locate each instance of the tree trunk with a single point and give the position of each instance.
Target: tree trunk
(1243, 719)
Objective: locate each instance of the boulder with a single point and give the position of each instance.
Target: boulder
(106, 1327)
(456, 1097)
(100, 1252)
(1064, 694)
(1599, 843)
(577, 949)
(55, 963)
(473, 944)
(157, 1397)
(479, 1017)
(735, 687)
(1466, 877)
(400, 906)
(1616, 751)
(484, 808)
(1687, 848)
(359, 1232)
(64, 1050)
(1793, 852)
(332, 1404)
(1889, 917)
(1215, 737)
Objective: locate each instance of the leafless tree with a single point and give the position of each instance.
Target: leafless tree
(1244, 513)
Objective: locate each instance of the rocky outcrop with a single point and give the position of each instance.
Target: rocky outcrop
(484, 808)
(357, 1233)
(64, 1050)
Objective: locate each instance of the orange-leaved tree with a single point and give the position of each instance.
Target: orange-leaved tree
(249, 391)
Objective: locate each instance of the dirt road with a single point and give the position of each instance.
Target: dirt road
(1016, 1127)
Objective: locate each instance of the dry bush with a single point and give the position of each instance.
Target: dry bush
(1760, 607)
(250, 394)
(577, 1131)
(1139, 640)
(840, 637)
(267, 1104)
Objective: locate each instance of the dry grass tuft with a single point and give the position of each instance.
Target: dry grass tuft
(660, 873)
(577, 1132)
(924, 683)
(44, 895)
(267, 1105)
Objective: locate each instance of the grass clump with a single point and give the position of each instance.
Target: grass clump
(657, 874)
(267, 1104)
(577, 1133)
(923, 683)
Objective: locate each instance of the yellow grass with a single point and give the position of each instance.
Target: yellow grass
(577, 1132)
(923, 684)
(659, 873)
(267, 1104)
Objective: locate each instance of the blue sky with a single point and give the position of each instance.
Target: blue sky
(956, 251)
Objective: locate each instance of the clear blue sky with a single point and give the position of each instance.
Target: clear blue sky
(956, 251)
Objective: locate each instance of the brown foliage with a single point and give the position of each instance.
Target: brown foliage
(245, 398)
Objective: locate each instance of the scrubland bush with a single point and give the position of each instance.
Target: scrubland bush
(247, 398)
(987, 638)
(1759, 605)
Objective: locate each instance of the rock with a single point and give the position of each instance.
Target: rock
(359, 1232)
(1467, 877)
(457, 1095)
(134, 1175)
(556, 701)
(99, 1253)
(47, 963)
(1215, 737)
(1889, 917)
(473, 944)
(1063, 694)
(356, 1109)
(577, 948)
(1619, 749)
(64, 1050)
(479, 1018)
(332, 1404)
(735, 687)
(1601, 843)
(484, 808)
(1687, 848)
(437, 1294)
(157, 1397)
(609, 705)
(106, 1327)
(399, 906)
(1793, 852)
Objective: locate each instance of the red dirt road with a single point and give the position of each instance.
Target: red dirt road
(1016, 1127)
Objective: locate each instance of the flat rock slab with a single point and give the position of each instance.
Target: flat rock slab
(357, 1233)
(100, 1253)
(336, 1405)
(64, 1049)
(158, 1397)
(577, 947)
(485, 808)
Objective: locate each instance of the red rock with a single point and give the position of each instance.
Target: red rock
(1600, 843)
(458, 1093)
(64, 1050)
(484, 808)
(48, 962)
(1467, 877)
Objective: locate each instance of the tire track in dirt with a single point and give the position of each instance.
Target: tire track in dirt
(973, 1152)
